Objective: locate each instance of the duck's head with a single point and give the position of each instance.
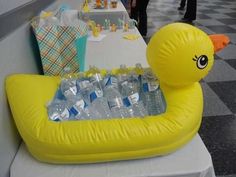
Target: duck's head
(180, 54)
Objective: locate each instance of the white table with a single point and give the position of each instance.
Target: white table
(113, 51)
(193, 160)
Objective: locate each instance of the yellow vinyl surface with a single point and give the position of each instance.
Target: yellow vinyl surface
(100, 140)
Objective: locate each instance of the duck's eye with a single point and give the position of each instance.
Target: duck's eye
(202, 61)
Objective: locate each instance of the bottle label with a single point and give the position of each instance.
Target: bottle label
(96, 78)
(150, 86)
(96, 94)
(65, 114)
(83, 84)
(74, 110)
(115, 103)
(55, 117)
(132, 99)
(110, 81)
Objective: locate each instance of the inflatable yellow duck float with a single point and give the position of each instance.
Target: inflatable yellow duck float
(178, 53)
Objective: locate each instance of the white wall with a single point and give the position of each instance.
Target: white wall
(16, 56)
(6, 5)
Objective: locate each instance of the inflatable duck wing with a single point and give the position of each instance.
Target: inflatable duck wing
(179, 54)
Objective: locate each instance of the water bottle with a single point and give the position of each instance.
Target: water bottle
(139, 71)
(57, 110)
(131, 97)
(135, 79)
(95, 76)
(99, 103)
(114, 98)
(68, 84)
(78, 108)
(58, 95)
(158, 95)
(110, 79)
(151, 94)
(90, 93)
(122, 73)
(83, 86)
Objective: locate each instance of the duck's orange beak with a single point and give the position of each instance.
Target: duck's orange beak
(219, 41)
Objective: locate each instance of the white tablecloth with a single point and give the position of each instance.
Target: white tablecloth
(114, 50)
(193, 160)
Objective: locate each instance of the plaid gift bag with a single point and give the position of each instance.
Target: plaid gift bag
(57, 45)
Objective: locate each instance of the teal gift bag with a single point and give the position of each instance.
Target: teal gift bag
(81, 43)
(58, 47)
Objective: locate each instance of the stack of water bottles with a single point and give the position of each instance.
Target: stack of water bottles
(93, 95)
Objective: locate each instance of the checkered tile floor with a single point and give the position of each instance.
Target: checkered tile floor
(218, 129)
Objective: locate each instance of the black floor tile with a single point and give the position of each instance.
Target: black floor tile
(214, 7)
(216, 57)
(163, 18)
(163, 6)
(203, 1)
(221, 29)
(146, 39)
(221, 3)
(228, 21)
(151, 8)
(227, 93)
(203, 16)
(232, 14)
(219, 135)
(232, 63)
(210, 11)
(171, 12)
(150, 25)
